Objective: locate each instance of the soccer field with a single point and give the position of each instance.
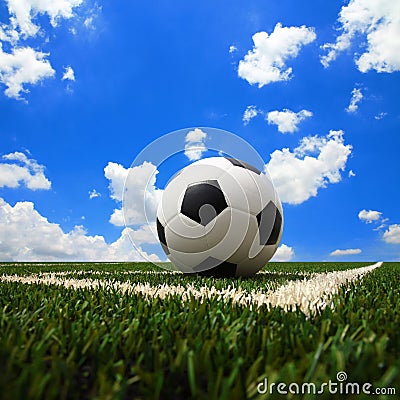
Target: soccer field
(131, 330)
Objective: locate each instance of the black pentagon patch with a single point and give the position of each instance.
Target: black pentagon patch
(270, 213)
(161, 236)
(203, 201)
(243, 164)
(216, 268)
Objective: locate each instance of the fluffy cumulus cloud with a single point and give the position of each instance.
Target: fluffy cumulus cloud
(69, 74)
(316, 162)
(24, 12)
(16, 169)
(369, 216)
(392, 234)
(356, 97)
(232, 48)
(346, 252)
(145, 234)
(249, 113)
(93, 194)
(266, 62)
(283, 253)
(135, 186)
(287, 121)
(25, 235)
(22, 66)
(378, 21)
(194, 144)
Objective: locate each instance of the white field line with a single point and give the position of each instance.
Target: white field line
(138, 272)
(307, 295)
(96, 272)
(91, 272)
(80, 273)
(166, 272)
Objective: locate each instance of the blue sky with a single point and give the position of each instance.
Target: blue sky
(85, 86)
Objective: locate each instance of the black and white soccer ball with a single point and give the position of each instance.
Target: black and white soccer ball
(220, 217)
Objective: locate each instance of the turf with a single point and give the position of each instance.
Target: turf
(59, 343)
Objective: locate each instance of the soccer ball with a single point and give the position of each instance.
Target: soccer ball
(220, 217)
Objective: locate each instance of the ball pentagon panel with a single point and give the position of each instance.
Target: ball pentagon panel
(175, 190)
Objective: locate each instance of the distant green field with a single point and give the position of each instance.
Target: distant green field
(78, 331)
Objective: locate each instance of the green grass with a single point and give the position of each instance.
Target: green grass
(59, 343)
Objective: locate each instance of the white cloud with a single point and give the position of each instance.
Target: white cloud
(17, 169)
(392, 235)
(140, 193)
(298, 175)
(379, 22)
(23, 13)
(380, 115)
(346, 252)
(195, 147)
(92, 16)
(232, 49)
(382, 224)
(144, 234)
(287, 121)
(69, 74)
(23, 66)
(249, 113)
(283, 253)
(356, 97)
(196, 135)
(266, 62)
(8, 33)
(351, 173)
(93, 194)
(369, 216)
(25, 235)
(88, 22)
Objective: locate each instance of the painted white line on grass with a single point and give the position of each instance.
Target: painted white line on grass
(308, 295)
(299, 274)
(316, 293)
(91, 272)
